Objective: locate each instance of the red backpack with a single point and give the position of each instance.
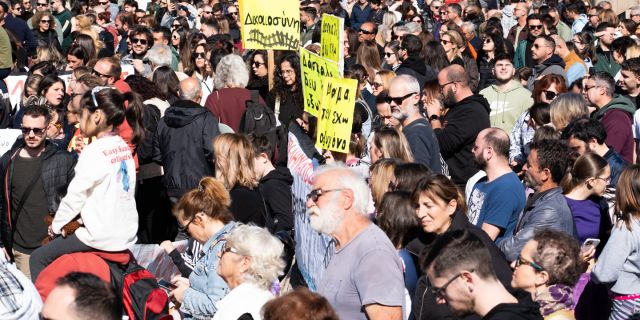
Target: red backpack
(142, 297)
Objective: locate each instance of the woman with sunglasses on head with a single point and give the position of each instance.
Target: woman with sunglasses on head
(548, 268)
(178, 38)
(441, 207)
(258, 73)
(103, 188)
(44, 29)
(203, 213)
(381, 81)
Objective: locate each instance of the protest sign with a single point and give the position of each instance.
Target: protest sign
(270, 24)
(336, 114)
(331, 39)
(314, 69)
(8, 138)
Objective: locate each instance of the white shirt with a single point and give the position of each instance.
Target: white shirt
(245, 298)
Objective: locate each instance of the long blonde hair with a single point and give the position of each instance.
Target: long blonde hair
(234, 160)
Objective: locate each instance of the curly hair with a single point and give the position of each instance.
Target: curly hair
(559, 255)
(284, 91)
(264, 250)
(231, 72)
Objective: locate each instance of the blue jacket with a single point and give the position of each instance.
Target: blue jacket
(360, 16)
(22, 32)
(207, 287)
(616, 163)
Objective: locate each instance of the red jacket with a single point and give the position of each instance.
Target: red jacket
(228, 105)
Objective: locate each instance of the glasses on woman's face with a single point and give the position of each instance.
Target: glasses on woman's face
(288, 72)
(257, 64)
(520, 261)
(377, 85)
(43, 21)
(549, 95)
(200, 55)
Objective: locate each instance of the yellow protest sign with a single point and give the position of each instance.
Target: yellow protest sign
(331, 38)
(313, 69)
(336, 114)
(270, 24)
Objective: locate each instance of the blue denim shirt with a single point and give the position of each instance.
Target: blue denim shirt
(206, 286)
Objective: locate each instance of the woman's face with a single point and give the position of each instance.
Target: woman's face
(623, 30)
(617, 57)
(599, 184)
(258, 66)
(434, 213)
(488, 45)
(443, 28)
(445, 40)
(73, 62)
(287, 73)
(524, 274)
(200, 57)
(54, 94)
(375, 152)
(231, 265)
(549, 94)
(390, 57)
(45, 23)
(378, 85)
(175, 40)
(581, 46)
(346, 44)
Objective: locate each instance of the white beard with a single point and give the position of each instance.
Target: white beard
(325, 220)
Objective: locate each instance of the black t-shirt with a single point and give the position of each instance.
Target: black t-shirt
(30, 226)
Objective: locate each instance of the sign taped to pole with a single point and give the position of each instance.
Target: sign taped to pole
(270, 24)
(336, 114)
(313, 69)
(332, 39)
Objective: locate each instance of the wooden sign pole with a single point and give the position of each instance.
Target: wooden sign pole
(271, 67)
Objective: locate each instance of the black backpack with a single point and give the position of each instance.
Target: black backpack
(260, 120)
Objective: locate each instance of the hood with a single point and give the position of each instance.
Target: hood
(554, 60)
(618, 102)
(280, 173)
(476, 98)
(513, 85)
(182, 113)
(415, 64)
(525, 308)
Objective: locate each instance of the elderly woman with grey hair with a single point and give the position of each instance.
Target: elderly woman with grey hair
(228, 101)
(250, 261)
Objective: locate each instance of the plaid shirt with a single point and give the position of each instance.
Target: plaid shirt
(10, 291)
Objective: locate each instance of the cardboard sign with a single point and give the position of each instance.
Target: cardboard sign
(332, 39)
(336, 114)
(270, 24)
(8, 138)
(314, 69)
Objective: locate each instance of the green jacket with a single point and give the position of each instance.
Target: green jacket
(606, 63)
(506, 106)
(519, 59)
(618, 102)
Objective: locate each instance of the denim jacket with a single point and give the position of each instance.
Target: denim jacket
(206, 286)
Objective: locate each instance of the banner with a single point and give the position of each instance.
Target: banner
(332, 39)
(8, 138)
(314, 69)
(336, 114)
(270, 24)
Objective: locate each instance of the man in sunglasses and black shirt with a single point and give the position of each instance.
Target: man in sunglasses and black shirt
(35, 176)
(535, 29)
(141, 40)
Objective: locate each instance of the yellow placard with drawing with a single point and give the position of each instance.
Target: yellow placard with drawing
(336, 114)
(313, 69)
(331, 39)
(270, 24)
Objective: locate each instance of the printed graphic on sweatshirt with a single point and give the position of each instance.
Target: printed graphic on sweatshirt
(120, 154)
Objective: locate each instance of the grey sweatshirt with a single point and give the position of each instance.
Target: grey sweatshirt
(619, 262)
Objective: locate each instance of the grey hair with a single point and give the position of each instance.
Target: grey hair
(389, 19)
(190, 92)
(635, 10)
(349, 179)
(160, 55)
(409, 82)
(264, 251)
(605, 80)
(413, 27)
(470, 26)
(402, 28)
(231, 72)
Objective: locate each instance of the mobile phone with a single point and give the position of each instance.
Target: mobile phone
(590, 242)
(166, 284)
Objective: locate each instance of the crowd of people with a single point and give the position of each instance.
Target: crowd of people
(491, 169)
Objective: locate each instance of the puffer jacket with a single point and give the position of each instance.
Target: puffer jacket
(57, 171)
(183, 146)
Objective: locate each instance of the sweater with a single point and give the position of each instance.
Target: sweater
(619, 262)
(228, 105)
(102, 193)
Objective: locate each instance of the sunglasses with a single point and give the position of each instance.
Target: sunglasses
(436, 8)
(233, 13)
(58, 125)
(550, 95)
(18, 9)
(176, 26)
(398, 100)
(138, 40)
(100, 75)
(315, 194)
(45, 21)
(377, 84)
(257, 64)
(388, 54)
(445, 42)
(200, 55)
(36, 131)
(226, 248)
(103, 3)
(539, 27)
(42, 4)
(366, 31)
(487, 40)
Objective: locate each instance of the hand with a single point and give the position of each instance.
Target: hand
(6, 254)
(328, 157)
(50, 232)
(178, 281)
(167, 246)
(138, 65)
(181, 284)
(172, 6)
(588, 254)
(434, 107)
(79, 144)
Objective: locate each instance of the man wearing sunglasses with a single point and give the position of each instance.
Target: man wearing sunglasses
(141, 41)
(535, 29)
(36, 171)
(403, 98)
(546, 61)
(462, 274)
(364, 277)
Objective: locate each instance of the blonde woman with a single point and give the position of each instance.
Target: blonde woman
(235, 169)
(381, 81)
(566, 107)
(453, 43)
(390, 143)
(381, 177)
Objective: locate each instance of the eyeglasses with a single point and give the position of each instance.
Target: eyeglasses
(442, 86)
(315, 194)
(388, 54)
(257, 64)
(606, 180)
(287, 72)
(186, 227)
(534, 27)
(439, 292)
(520, 261)
(98, 74)
(225, 248)
(366, 31)
(139, 40)
(36, 131)
(550, 95)
(587, 88)
(398, 100)
(538, 46)
(200, 55)
(45, 21)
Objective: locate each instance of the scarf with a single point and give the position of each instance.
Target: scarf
(554, 298)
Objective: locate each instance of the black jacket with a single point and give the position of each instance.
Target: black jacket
(48, 38)
(415, 67)
(275, 188)
(424, 304)
(525, 309)
(183, 145)
(247, 205)
(461, 126)
(57, 172)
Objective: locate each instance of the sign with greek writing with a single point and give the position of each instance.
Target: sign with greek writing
(331, 39)
(314, 69)
(270, 24)
(336, 114)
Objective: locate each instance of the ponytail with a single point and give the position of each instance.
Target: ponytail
(589, 165)
(134, 114)
(209, 197)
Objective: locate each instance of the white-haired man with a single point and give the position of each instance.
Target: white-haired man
(364, 278)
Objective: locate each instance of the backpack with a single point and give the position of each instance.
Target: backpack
(258, 119)
(142, 297)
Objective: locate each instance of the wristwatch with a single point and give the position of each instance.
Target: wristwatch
(433, 117)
